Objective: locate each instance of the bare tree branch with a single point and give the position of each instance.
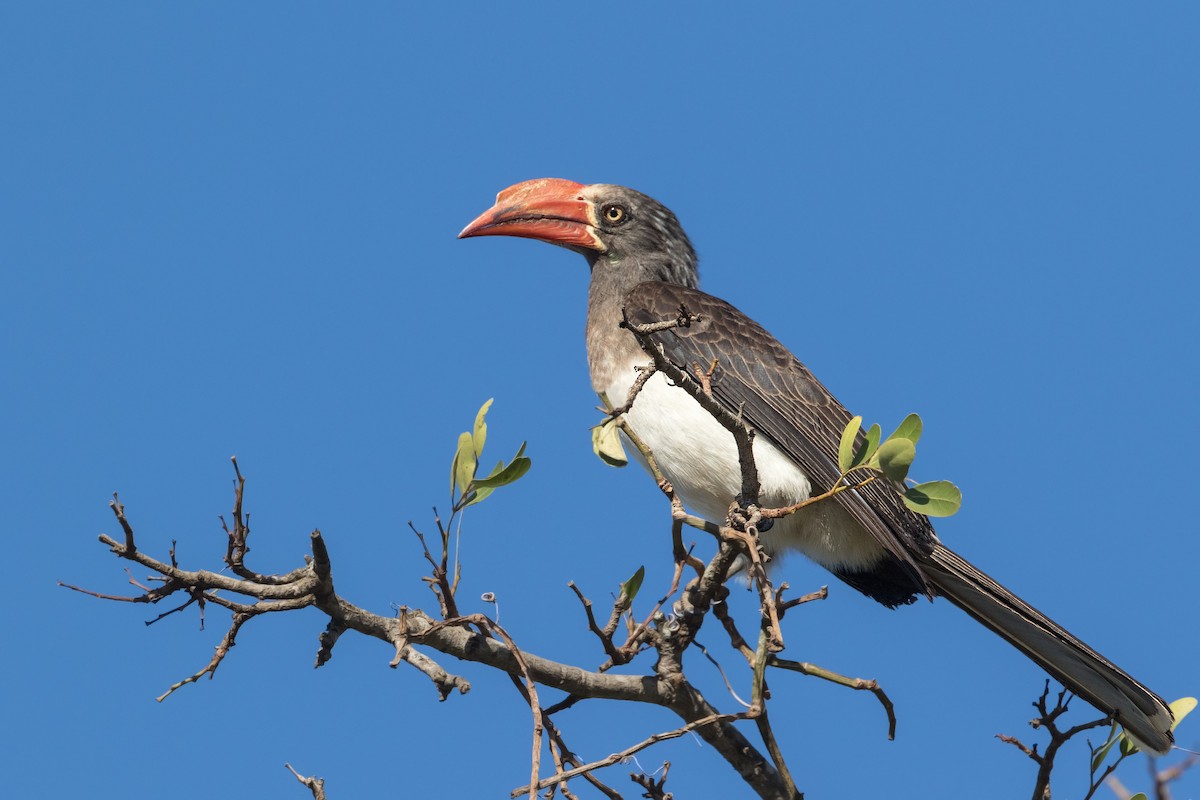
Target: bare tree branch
(312, 586)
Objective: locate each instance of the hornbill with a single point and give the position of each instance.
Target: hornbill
(644, 269)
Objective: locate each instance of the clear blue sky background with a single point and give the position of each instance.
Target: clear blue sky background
(229, 229)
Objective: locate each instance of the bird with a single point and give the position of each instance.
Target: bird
(644, 270)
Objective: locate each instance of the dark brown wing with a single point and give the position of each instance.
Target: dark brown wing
(781, 400)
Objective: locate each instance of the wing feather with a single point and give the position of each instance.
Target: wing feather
(780, 399)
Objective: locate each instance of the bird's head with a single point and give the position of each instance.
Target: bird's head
(614, 227)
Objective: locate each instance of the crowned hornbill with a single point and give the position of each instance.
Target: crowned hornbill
(644, 267)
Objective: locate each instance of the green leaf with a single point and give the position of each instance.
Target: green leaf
(1181, 708)
(869, 446)
(606, 443)
(513, 472)
(909, 429)
(1139, 796)
(629, 588)
(846, 448)
(480, 431)
(895, 456)
(478, 495)
(463, 469)
(1102, 753)
(1130, 745)
(934, 498)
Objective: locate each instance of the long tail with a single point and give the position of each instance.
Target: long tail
(1141, 712)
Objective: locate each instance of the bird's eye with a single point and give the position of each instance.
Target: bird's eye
(614, 214)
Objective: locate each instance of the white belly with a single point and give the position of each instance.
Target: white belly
(699, 457)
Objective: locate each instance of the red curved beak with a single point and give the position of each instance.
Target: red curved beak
(547, 209)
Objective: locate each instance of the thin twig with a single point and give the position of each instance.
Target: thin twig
(119, 510)
(645, 373)
(859, 684)
(761, 658)
(736, 640)
(728, 686)
(630, 648)
(819, 594)
(654, 788)
(150, 596)
(227, 643)
(1048, 719)
(603, 634)
(627, 752)
(539, 722)
(315, 785)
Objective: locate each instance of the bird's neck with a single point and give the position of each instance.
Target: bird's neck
(611, 349)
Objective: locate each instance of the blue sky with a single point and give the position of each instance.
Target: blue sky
(230, 229)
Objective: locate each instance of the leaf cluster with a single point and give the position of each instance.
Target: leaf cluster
(892, 457)
(466, 487)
